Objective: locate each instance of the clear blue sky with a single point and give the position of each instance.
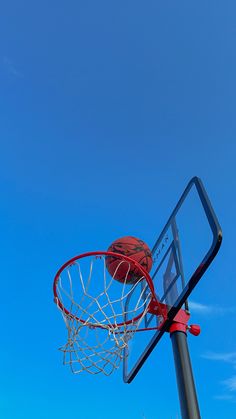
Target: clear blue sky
(107, 109)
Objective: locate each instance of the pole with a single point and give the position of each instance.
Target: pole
(186, 387)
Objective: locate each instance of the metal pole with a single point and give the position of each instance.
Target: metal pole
(186, 387)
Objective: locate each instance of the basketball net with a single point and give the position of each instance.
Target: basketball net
(93, 306)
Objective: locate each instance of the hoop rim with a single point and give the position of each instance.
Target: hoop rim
(102, 253)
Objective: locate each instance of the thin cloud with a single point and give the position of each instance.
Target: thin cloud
(225, 397)
(229, 357)
(230, 383)
(10, 67)
(199, 308)
(208, 309)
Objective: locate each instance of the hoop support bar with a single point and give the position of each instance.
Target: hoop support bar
(186, 387)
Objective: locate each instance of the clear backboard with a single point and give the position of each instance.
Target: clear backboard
(184, 250)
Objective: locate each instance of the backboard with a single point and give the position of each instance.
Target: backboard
(184, 250)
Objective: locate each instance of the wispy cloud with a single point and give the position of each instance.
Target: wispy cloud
(199, 308)
(10, 67)
(225, 397)
(209, 309)
(229, 357)
(230, 383)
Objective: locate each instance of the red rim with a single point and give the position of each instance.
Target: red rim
(101, 253)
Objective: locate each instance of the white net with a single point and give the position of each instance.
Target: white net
(93, 306)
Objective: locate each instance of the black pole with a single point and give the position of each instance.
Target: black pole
(184, 374)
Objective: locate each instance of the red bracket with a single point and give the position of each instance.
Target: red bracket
(180, 322)
(157, 308)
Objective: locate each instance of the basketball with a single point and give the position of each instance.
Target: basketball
(134, 248)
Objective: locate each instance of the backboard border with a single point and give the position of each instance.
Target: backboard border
(203, 266)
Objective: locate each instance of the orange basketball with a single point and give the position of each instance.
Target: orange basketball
(134, 248)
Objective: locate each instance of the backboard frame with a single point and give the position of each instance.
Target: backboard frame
(159, 246)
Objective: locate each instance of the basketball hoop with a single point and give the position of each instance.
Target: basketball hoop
(92, 303)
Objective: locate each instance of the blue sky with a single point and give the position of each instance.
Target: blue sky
(107, 109)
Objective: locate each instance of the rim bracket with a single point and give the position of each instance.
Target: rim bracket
(180, 322)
